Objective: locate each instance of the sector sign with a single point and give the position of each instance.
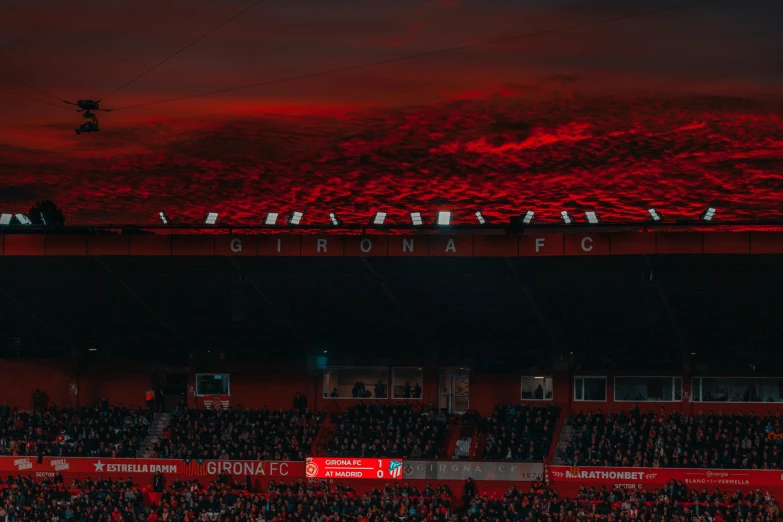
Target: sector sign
(330, 467)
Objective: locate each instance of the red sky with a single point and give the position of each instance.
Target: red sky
(675, 110)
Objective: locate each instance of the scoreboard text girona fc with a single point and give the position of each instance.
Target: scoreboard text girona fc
(331, 467)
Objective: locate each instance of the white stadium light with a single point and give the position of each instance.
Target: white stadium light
(164, 218)
(527, 218)
(443, 218)
(335, 220)
(270, 219)
(5, 219)
(295, 218)
(481, 219)
(655, 215)
(211, 218)
(378, 219)
(567, 219)
(416, 219)
(23, 219)
(708, 214)
(592, 217)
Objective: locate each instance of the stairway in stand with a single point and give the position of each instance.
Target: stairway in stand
(567, 434)
(159, 424)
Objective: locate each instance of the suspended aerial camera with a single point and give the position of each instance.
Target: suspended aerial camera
(86, 107)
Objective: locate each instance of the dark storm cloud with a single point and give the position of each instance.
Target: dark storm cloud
(499, 154)
(557, 120)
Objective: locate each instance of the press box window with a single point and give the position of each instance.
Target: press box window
(213, 384)
(737, 389)
(356, 383)
(590, 389)
(536, 388)
(407, 383)
(647, 389)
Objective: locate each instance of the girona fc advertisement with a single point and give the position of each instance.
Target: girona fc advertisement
(115, 468)
(651, 478)
(347, 468)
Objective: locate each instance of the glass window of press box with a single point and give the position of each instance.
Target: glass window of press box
(737, 389)
(407, 383)
(356, 383)
(590, 388)
(647, 389)
(213, 384)
(536, 388)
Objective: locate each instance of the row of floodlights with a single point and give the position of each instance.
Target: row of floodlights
(442, 218)
(22, 219)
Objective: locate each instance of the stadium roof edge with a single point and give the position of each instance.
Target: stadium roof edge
(427, 229)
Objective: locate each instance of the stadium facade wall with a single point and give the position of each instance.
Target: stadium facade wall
(259, 385)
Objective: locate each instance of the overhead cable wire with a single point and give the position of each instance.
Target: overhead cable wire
(32, 87)
(427, 53)
(191, 44)
(35, 99)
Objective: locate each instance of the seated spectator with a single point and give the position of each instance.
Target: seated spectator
(239, 435)
(521, 432)
(471, 417)
(100, 431)
(389, 430)
(715, 440)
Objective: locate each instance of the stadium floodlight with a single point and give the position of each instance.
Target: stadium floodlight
(655, 215)
(708, 214)
(481, 218)
(164, 218)
(416, 219)
(44, 221)
(378, 219)
(334, 219)
(295, 218)
(527, 217)
(592, 217)
(270, 219)
(211, 218)
(5, 219)
(23, 219)
(443, 218)
(567, 219)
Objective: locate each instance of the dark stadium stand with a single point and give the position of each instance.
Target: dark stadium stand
(23, 499)
(390, 430)
(646, 439)
(672, 503)
(238, 434)
(99, 431)
(521, 432)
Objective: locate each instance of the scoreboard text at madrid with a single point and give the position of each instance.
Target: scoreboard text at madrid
(353, 468)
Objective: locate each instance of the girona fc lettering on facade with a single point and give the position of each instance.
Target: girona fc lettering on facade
(247, 468)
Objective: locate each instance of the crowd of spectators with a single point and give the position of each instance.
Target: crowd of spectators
(674, 503)
(23, 499)
(521, 432)
(399, 430)
(95, 431)
(646, 439)
(238, 434)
